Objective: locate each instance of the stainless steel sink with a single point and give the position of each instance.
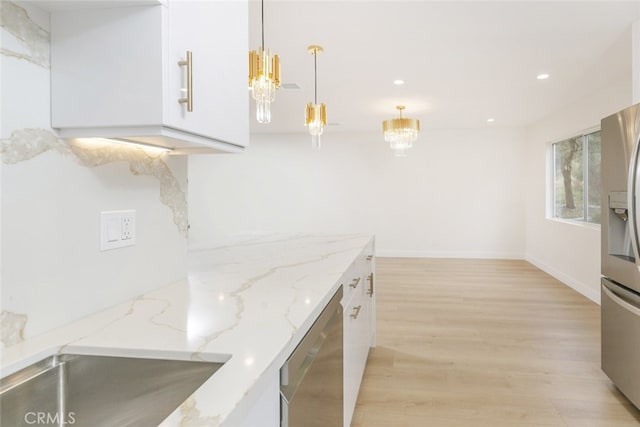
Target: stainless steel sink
(94, 391)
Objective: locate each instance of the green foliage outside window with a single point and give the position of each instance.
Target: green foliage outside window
(576, 166)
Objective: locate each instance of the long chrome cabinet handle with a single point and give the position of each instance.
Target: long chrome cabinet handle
(356, 310)
(355, 282)
(189, 64)
(631, 202)
(370, 290)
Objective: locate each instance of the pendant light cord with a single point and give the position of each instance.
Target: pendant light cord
(262, 9)
(315, 77)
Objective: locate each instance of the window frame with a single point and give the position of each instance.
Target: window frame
(551, 176)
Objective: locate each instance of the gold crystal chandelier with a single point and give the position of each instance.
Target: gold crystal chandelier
(401, 132)
(316, 115)
(264, 77)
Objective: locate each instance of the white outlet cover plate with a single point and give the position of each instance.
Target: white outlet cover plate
(117, 229)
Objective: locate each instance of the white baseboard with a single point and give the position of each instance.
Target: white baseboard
(582, 288)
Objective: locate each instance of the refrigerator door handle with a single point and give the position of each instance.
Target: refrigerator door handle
(627, 305)
(631, 202)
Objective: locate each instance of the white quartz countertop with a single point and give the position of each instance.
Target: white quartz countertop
(247, 301)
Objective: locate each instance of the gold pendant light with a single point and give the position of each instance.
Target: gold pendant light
(401, 132)
(264, 78)
(316, 115)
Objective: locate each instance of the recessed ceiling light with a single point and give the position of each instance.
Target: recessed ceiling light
(491, 120)
(398, 82)
(542, 76)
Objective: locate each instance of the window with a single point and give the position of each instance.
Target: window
(576, 178)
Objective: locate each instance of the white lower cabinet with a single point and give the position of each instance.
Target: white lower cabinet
(359, 327)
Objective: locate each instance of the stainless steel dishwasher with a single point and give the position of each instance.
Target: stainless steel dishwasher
(311, 380)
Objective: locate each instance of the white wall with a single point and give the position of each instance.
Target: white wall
(567, 251)
(457, 194)
(52, 193)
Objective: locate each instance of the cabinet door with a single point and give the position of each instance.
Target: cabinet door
(106, 67)
(356, 347)
(351, 377)
(216, 32)
(369, 267)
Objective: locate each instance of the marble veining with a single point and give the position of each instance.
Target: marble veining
(208, 339)
(141, 162)
(128, 310)
(25, 144)
(191, 417)
(247, 305)
(156, 318)
(12, 327)
(33, 38)
(294, 303)
(246, 285)
(156, 307)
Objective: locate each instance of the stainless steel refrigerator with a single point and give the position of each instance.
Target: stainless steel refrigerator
(620, 250)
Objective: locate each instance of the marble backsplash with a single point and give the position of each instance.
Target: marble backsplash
(12, 328)
(31, 37)
(52, 272)
(25, 144)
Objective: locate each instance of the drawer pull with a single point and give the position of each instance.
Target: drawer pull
(370, 290)
(369, 257)
(356, 310)
(355, 282)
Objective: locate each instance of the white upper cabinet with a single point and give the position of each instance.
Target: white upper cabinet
(115, 73)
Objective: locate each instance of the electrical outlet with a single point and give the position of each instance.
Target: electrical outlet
(117, 229)
(128, 225)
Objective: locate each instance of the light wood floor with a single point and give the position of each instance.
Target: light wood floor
(484, 343)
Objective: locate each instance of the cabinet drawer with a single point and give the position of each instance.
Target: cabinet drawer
(352, 283)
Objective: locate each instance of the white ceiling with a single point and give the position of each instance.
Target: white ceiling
(462, 62)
